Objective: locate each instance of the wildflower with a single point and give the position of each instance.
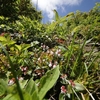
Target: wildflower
(58, 52)
(55, 64)
(46, 36)
(72, 83)
(41, 44)
(25, 68)
(51, 52)
(43, 60)
(25, 73)
(39, 59)
(47, 47)
(50, 64)
(20, 78)
(11, 81)
(22, 68)
(63, 76)
(63, 89)
(48, 51)
(44, 46)
(39, 72)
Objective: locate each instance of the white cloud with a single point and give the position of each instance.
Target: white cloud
(46, 6)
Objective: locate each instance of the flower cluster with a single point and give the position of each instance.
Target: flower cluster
(63, 76)
(12, 80)
(53, 65)
(71, 83)
(54, 52)
(44, 47)
(39, 72)
(51, 52)
(63, 89)
(66, 83)
(58, 52)
(24, 70)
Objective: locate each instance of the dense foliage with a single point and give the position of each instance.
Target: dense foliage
(13, 8)
(56, 61)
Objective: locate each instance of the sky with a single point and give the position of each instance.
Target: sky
(63, 7)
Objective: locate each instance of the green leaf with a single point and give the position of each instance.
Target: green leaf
(18, 47)
(2, 38)
(61, 96)
(79, 87)
(12, 89)
(3, 87)
(25, 46)
(62, 48)
(23, 83)
(22, 47)
(35, 95)
(11, 42)
(27, 96)
(86, 96)
(12, 97)
(31, 87)
(47, 81)
(56, 15)
(16, 96)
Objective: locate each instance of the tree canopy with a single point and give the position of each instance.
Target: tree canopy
(14, 8)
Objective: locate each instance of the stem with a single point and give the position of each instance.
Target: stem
(89, 93)
(76, 94)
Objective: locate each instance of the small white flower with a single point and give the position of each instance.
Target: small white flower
(54, 66)
(44, 46)
(55, 62)
(47, 47)
(59, 50)
(39, 59)
(56, 52)
(50, 64)
(22, 68)
(25, 69)
(11, 82)
(38, 73)
(59, 54)
(20, 78)
(25, 73)
(51, 52)
(43, 60)
(48, 51)
(46, 36)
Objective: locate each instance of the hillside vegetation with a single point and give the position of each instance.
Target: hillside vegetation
(53, 61)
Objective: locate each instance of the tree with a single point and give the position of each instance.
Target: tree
(13, 8)
(8, 8)
(27, 9)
